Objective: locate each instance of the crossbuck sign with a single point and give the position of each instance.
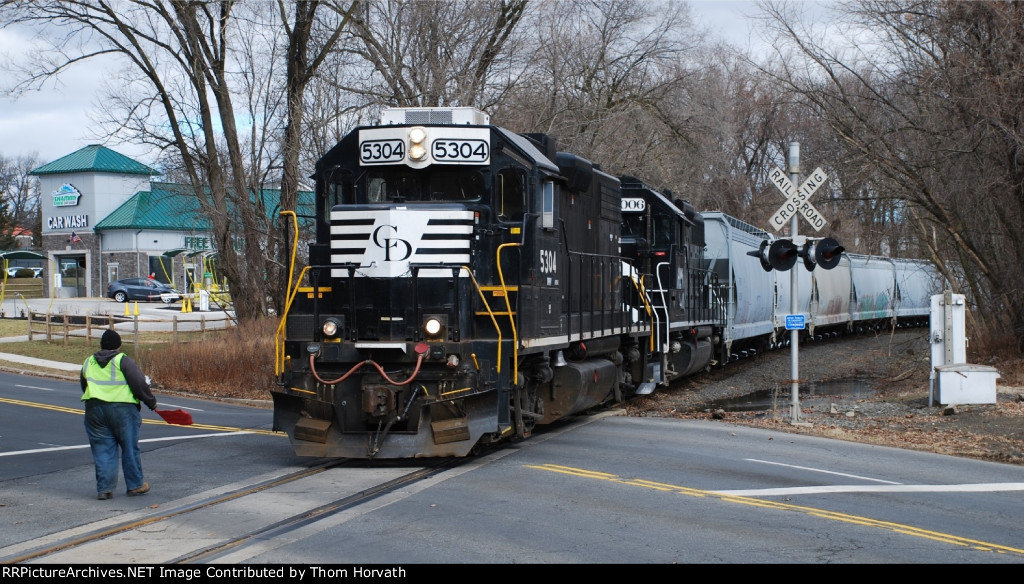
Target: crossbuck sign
(798, 200)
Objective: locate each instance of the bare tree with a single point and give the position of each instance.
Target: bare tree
(595, 69)
(443, 53)
(19, 193)
(928, 104)
(179, 92)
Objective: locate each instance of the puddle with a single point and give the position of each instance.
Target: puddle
(779, 397)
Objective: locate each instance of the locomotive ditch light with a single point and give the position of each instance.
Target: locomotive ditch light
(417, 143)
(825, 252)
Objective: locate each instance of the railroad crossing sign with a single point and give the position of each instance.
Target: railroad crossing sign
(798, 202)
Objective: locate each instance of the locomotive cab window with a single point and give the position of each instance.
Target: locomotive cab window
(664, 231)
(632, 224)
(339, 190)
(511, 190)
(463, 185)
(392, 186)
(548, 211)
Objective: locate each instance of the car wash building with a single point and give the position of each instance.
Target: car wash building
(104, 218)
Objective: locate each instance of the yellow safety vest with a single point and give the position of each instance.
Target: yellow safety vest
(107, 383)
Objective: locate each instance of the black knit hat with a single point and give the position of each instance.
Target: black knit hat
(110, 340)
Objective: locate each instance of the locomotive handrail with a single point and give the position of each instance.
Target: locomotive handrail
(508, 307)
(278, 345)
(639, 285)
(664, 305)
(489, 313)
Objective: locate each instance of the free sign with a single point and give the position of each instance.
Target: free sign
(798, 202)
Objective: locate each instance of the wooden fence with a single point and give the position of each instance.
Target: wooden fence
(51, 328)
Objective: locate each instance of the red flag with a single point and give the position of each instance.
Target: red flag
(176, 417)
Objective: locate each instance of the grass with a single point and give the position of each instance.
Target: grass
(237, 362)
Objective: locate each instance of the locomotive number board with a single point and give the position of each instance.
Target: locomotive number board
(445, 145)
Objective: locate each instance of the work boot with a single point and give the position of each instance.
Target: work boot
(105, 496)
(139, 491)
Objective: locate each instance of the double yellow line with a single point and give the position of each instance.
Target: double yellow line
(767, 504)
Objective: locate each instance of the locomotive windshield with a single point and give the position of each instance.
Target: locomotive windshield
(458, 186)
(662, 228)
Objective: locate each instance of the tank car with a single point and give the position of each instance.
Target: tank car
(465, 284)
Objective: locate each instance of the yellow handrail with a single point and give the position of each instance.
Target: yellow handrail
(650, 312)
(489, 313)
(290, 297)
(512, 321)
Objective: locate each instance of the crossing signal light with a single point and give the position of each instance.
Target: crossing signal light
(780, 255)
(825, 252)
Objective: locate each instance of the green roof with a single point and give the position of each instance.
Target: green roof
(173, 207)
(95, 158)
(167, 206)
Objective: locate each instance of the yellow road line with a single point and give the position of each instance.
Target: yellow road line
(767, 504)
(65, 410)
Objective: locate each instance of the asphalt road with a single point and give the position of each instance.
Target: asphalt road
(601, 489)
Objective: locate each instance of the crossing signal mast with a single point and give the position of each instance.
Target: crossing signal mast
(781, 253)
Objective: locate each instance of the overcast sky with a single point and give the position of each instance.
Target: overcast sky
(55, 122)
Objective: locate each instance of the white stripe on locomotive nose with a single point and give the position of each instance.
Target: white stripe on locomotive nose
(400, 237)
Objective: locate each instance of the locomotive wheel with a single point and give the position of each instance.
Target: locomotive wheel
(524, 411)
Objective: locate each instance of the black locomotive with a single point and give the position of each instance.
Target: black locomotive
(467, 283)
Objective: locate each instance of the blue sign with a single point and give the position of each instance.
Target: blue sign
(795, 322)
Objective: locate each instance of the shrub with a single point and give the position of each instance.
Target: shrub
(236, 363)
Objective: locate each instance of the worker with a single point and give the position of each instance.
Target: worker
(113, 386)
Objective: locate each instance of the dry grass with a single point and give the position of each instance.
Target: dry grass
(236, 363)
(1002, 354)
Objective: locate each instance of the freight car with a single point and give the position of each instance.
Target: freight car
(467, 283)
(862, 293)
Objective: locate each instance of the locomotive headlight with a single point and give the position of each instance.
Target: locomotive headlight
(432, 327)
(331, 327)
(417, 143)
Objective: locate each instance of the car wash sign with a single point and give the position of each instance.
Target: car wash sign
(66, 196)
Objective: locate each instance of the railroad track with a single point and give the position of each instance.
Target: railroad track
(210, 529)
